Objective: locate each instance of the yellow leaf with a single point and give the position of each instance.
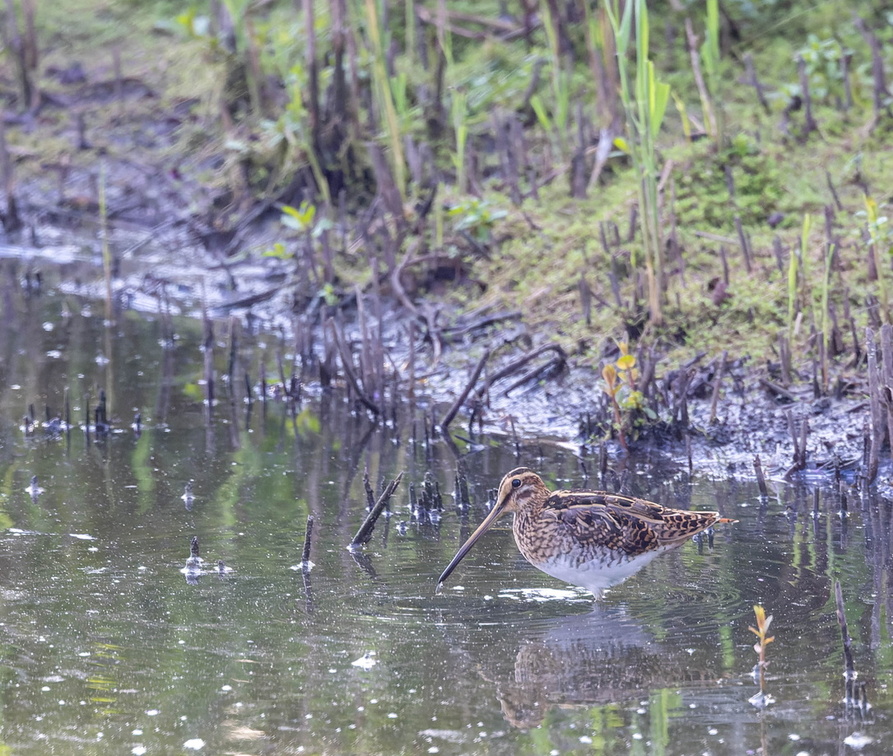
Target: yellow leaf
(621, 144)
(627, 362)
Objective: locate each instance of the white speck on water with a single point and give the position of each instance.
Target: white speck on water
(585, 740)
(433, 749)
(139, 750)
(392, 715)
(82, 536)
(137, 731)
(152, 713)
(45, 688)
(637, 736)
(48, 326)
(857, 740)
(227, 687)
(713, 731)
(794, 736)
(54, 354)
(194, 744)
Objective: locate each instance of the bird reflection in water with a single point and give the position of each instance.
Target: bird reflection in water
(601, 657)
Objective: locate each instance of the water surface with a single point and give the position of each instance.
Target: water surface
(109, 647)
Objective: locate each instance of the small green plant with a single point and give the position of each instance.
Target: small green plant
(822, 60)
(627, 401)
(477, 218)
(761, 699)
(303, 220)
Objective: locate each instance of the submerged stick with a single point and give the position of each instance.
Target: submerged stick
(364, 534)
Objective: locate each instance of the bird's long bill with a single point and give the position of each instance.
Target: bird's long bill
(495, 513)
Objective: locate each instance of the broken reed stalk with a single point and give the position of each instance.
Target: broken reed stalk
(308, 539)
(717, 384)
(209, 358)
(877, 66)
(11, 220)
(460, 400)
(364, 534)
(887, 378)
(752, 79)
(810, 124)
(106, 247)
(370, 496)
(347, 364)
(876, 436)
(849, 664)
(761, 478)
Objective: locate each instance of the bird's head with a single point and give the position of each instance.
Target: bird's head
(518, 490)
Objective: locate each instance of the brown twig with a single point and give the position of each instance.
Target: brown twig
(460, 400)
(516, 365)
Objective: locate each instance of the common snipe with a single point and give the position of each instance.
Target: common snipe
(588, 538)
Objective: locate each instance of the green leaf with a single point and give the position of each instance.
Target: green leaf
(659, 96)
(541, 115)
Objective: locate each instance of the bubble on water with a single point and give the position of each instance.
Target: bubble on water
(194, 744)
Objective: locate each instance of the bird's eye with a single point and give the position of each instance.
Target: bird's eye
(516, 482)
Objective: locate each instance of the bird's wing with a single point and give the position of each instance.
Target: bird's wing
(624, 522)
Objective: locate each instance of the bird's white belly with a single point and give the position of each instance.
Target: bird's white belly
(596, 575)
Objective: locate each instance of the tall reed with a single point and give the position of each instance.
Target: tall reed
(644, 103)
(385, 96)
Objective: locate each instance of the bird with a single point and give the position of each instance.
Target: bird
(591, 539)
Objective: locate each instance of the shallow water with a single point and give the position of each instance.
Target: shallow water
(109, 647)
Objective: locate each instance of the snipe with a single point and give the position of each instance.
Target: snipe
(592, 539)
